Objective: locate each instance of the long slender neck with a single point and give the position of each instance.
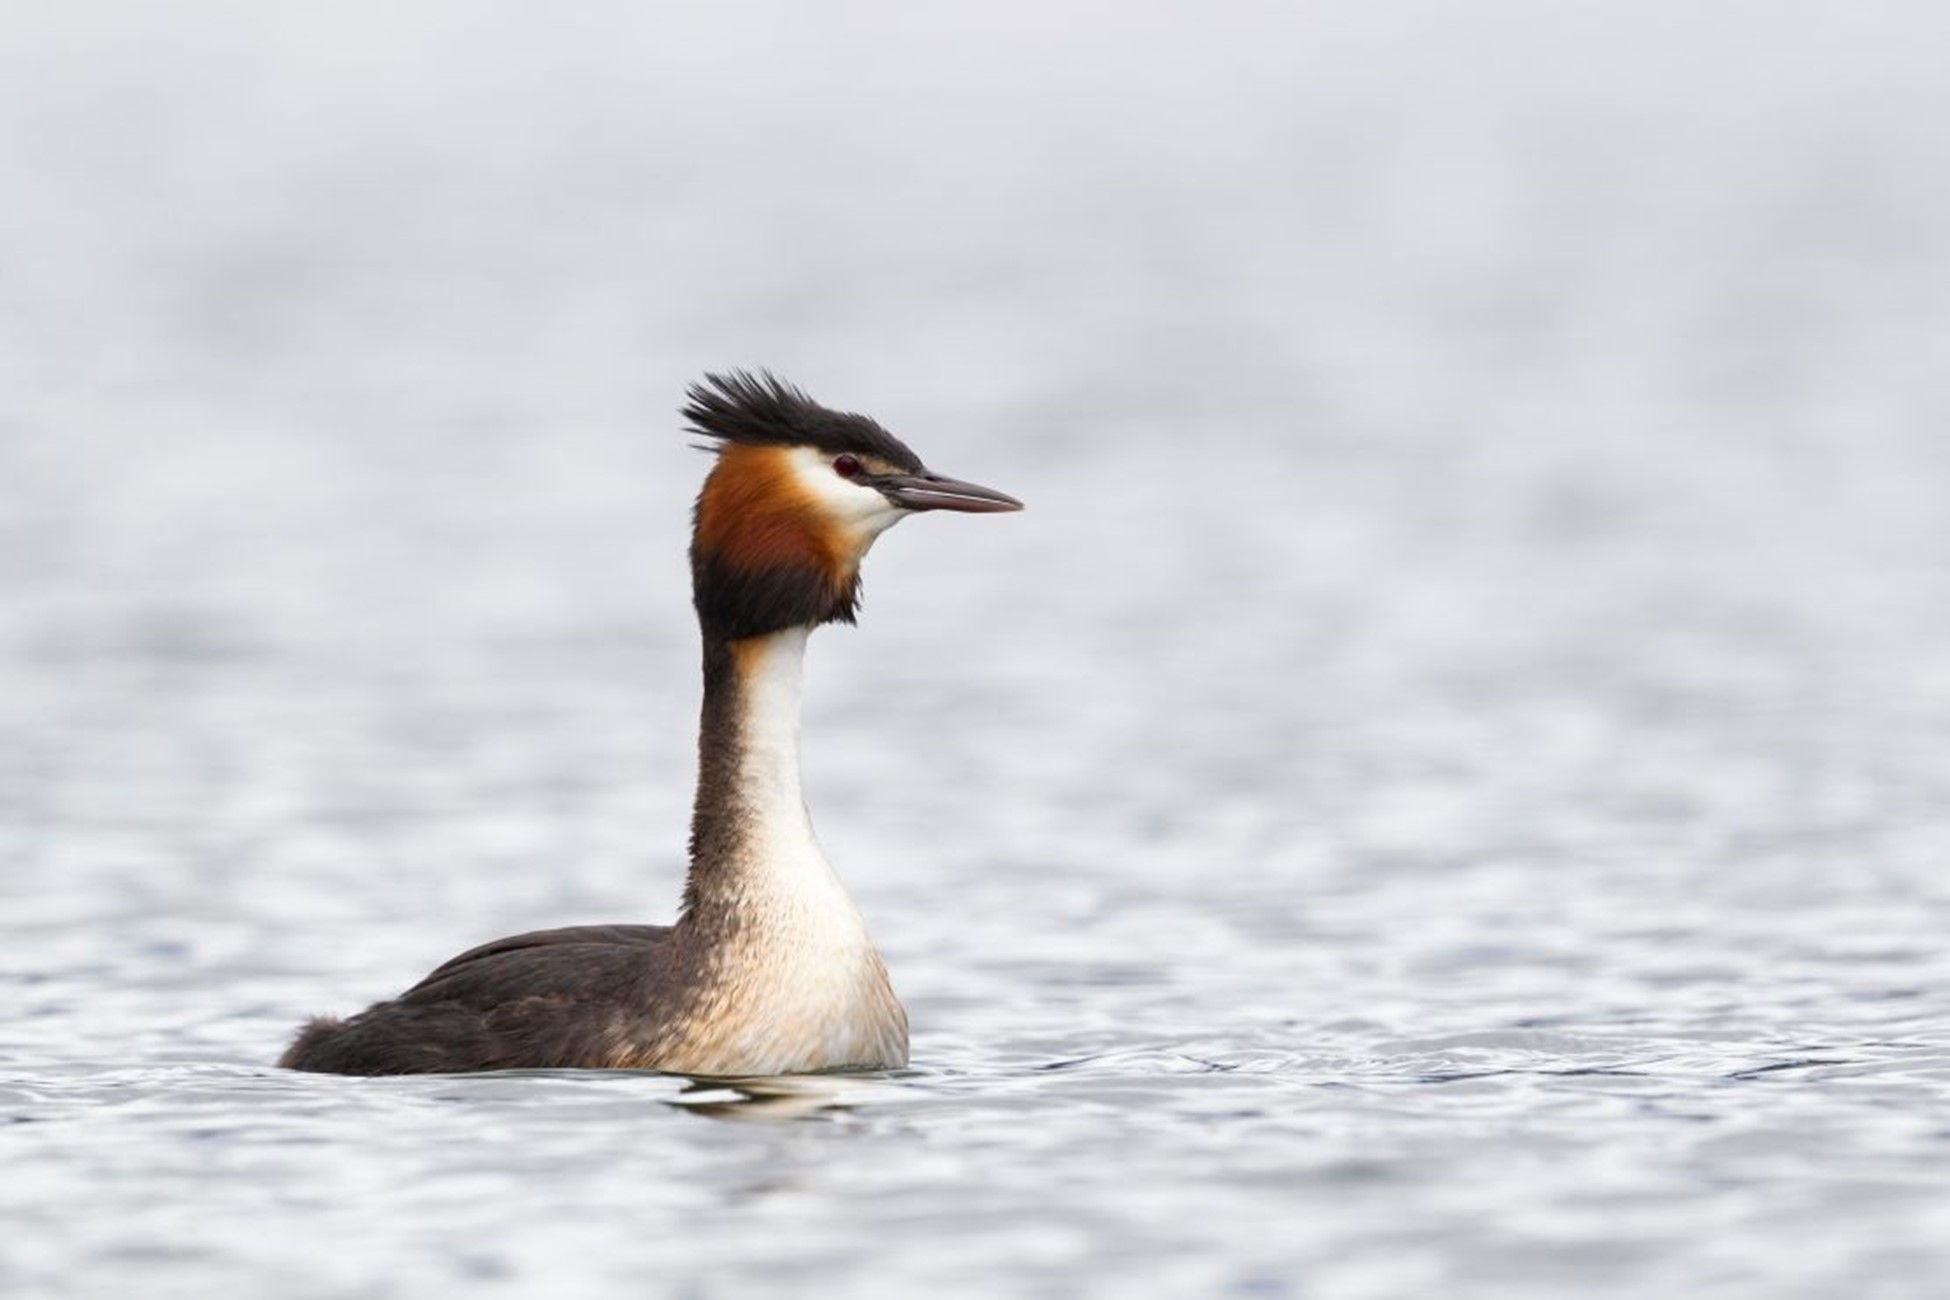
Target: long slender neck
(777, 970)
(751, 838)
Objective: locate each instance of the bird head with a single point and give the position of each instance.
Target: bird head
(796, 499)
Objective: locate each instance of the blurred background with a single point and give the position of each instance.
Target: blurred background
(1485, 568)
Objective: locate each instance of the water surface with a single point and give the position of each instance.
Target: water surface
(1444, 788)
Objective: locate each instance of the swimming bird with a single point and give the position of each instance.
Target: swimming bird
(769, 968)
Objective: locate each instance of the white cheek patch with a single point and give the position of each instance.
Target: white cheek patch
(852, 504)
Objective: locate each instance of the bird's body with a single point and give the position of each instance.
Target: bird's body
(769, 968)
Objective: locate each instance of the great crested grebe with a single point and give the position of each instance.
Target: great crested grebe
(769, 968)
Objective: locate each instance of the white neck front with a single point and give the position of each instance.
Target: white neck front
(772, 801)
(792, 978)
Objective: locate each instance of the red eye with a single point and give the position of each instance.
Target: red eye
(848, 467)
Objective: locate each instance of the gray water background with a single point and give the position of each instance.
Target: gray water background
(1446, 789)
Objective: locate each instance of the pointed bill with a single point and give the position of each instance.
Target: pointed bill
(929, 491)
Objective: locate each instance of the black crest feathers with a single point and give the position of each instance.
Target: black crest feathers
(763, 410)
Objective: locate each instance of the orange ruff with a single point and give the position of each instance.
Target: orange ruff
(756, 516)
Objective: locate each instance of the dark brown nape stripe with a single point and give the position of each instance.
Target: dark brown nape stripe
(718, 820)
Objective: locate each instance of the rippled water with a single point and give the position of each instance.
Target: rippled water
(1447, 787)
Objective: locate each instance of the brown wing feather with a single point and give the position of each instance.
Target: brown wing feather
(545, 1000)
(646, 935)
